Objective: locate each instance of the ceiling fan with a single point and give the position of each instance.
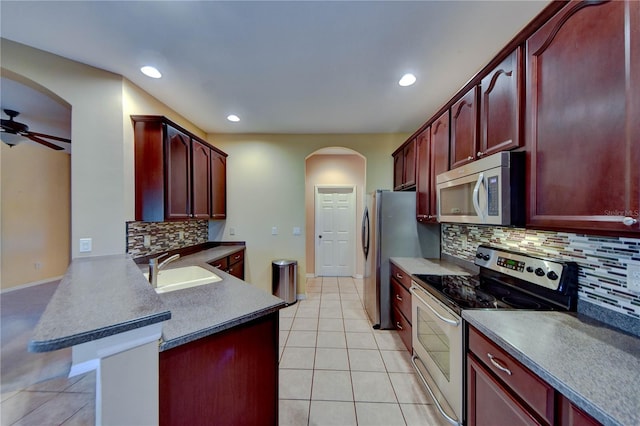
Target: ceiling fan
(12, 131)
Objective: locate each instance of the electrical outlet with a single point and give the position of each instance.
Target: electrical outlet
(180, 235)
(147, 241)
(85, 245)
(232, 231)
(633, 277)
(274, 230)
(37, 266)
(296, 230)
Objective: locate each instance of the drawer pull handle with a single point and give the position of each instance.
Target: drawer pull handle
(218, 265)
(497, 364)
(236, 257)
(399, 276)
(398, 297)
(399, 326)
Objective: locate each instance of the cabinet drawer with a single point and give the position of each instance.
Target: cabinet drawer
(237, 270)
(402, 326)
(402, 277)
(221, 264)
(236, 257)
(401, 299)
(526, 385)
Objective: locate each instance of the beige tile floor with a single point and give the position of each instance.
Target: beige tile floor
(334, 370)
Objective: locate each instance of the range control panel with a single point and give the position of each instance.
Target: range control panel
(543, 272)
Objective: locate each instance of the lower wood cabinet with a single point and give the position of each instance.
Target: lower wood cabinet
(227, 378)
(401, 304)
(232, 264)
(502, 391)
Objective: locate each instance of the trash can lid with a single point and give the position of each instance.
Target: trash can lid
(284, 262)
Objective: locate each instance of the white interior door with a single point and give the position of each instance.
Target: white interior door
(335, 230)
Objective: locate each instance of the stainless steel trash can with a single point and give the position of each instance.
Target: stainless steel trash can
(284, 279)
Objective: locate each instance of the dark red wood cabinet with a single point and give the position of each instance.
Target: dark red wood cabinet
(218, 185)
(501, 108)
(232, 264)
(432, 158)
(464, 129)
(582, 126)
(401, 304)
(228, 378)
(177, 175)
(502, 391)
(404, 167)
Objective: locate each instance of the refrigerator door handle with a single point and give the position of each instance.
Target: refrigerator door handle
(365, 232)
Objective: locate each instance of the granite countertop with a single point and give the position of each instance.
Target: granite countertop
(595, 367)
(97, 297)
(200, 311)
(106, 295)
(415, 265)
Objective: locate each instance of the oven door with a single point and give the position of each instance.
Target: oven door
(437, 352)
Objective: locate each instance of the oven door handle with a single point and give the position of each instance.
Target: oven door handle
(433, 396)
(476, 197)
(447, 320)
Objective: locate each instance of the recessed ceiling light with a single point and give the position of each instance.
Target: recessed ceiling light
(150, 72)
(407, 80)
(233, 117)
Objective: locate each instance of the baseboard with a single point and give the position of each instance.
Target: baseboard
(359, 276)
(84, 367)
(32, 284)
(301, 296)
(310, 275)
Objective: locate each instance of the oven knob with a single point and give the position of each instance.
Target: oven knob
(486, 257)
(540, 272)
(529, 269)
(552, 276)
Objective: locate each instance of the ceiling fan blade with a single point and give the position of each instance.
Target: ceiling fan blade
(43, 142)
(55, 138)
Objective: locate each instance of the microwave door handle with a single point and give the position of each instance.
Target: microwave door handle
(476, 196)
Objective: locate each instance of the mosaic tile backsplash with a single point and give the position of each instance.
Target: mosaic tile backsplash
(164, 236)
(602, 261)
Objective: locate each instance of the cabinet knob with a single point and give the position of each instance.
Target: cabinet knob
(628, 221)
(470, 157)
(480, 154)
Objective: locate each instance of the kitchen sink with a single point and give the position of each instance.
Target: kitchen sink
(181, 278)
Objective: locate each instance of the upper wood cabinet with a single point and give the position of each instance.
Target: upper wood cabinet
(583, 104)
(464, 130)
(404, 167)
(177, 175)
(432, 151)
(501, 106)
(218, 185)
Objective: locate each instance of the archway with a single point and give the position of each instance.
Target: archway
(339, 167)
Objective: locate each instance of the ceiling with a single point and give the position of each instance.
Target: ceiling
(281, 66)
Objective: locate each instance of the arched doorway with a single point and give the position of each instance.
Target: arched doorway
(35, 186)
(337, 168)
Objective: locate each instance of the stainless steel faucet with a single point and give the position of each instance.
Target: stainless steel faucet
(154, 267)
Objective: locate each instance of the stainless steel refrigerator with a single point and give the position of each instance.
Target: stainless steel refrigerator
(390, 229)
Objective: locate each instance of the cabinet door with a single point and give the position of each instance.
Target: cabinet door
(398, 171)
(570, 415)
(423, 175)
(409, 168)
(218, 185)
(439, 158)
(464, 130)
(500, 108)
(178, 175)
(490, 403)
(583, 85)
(201, 173)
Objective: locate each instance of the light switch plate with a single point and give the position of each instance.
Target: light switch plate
(85, 245)
(274, 230)
(296, 230)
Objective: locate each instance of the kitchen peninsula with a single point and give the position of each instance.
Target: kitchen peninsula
(139, 341)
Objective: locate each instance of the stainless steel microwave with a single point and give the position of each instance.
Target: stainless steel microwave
(489, 191)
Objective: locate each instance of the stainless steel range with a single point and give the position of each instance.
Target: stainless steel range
(507, 280)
